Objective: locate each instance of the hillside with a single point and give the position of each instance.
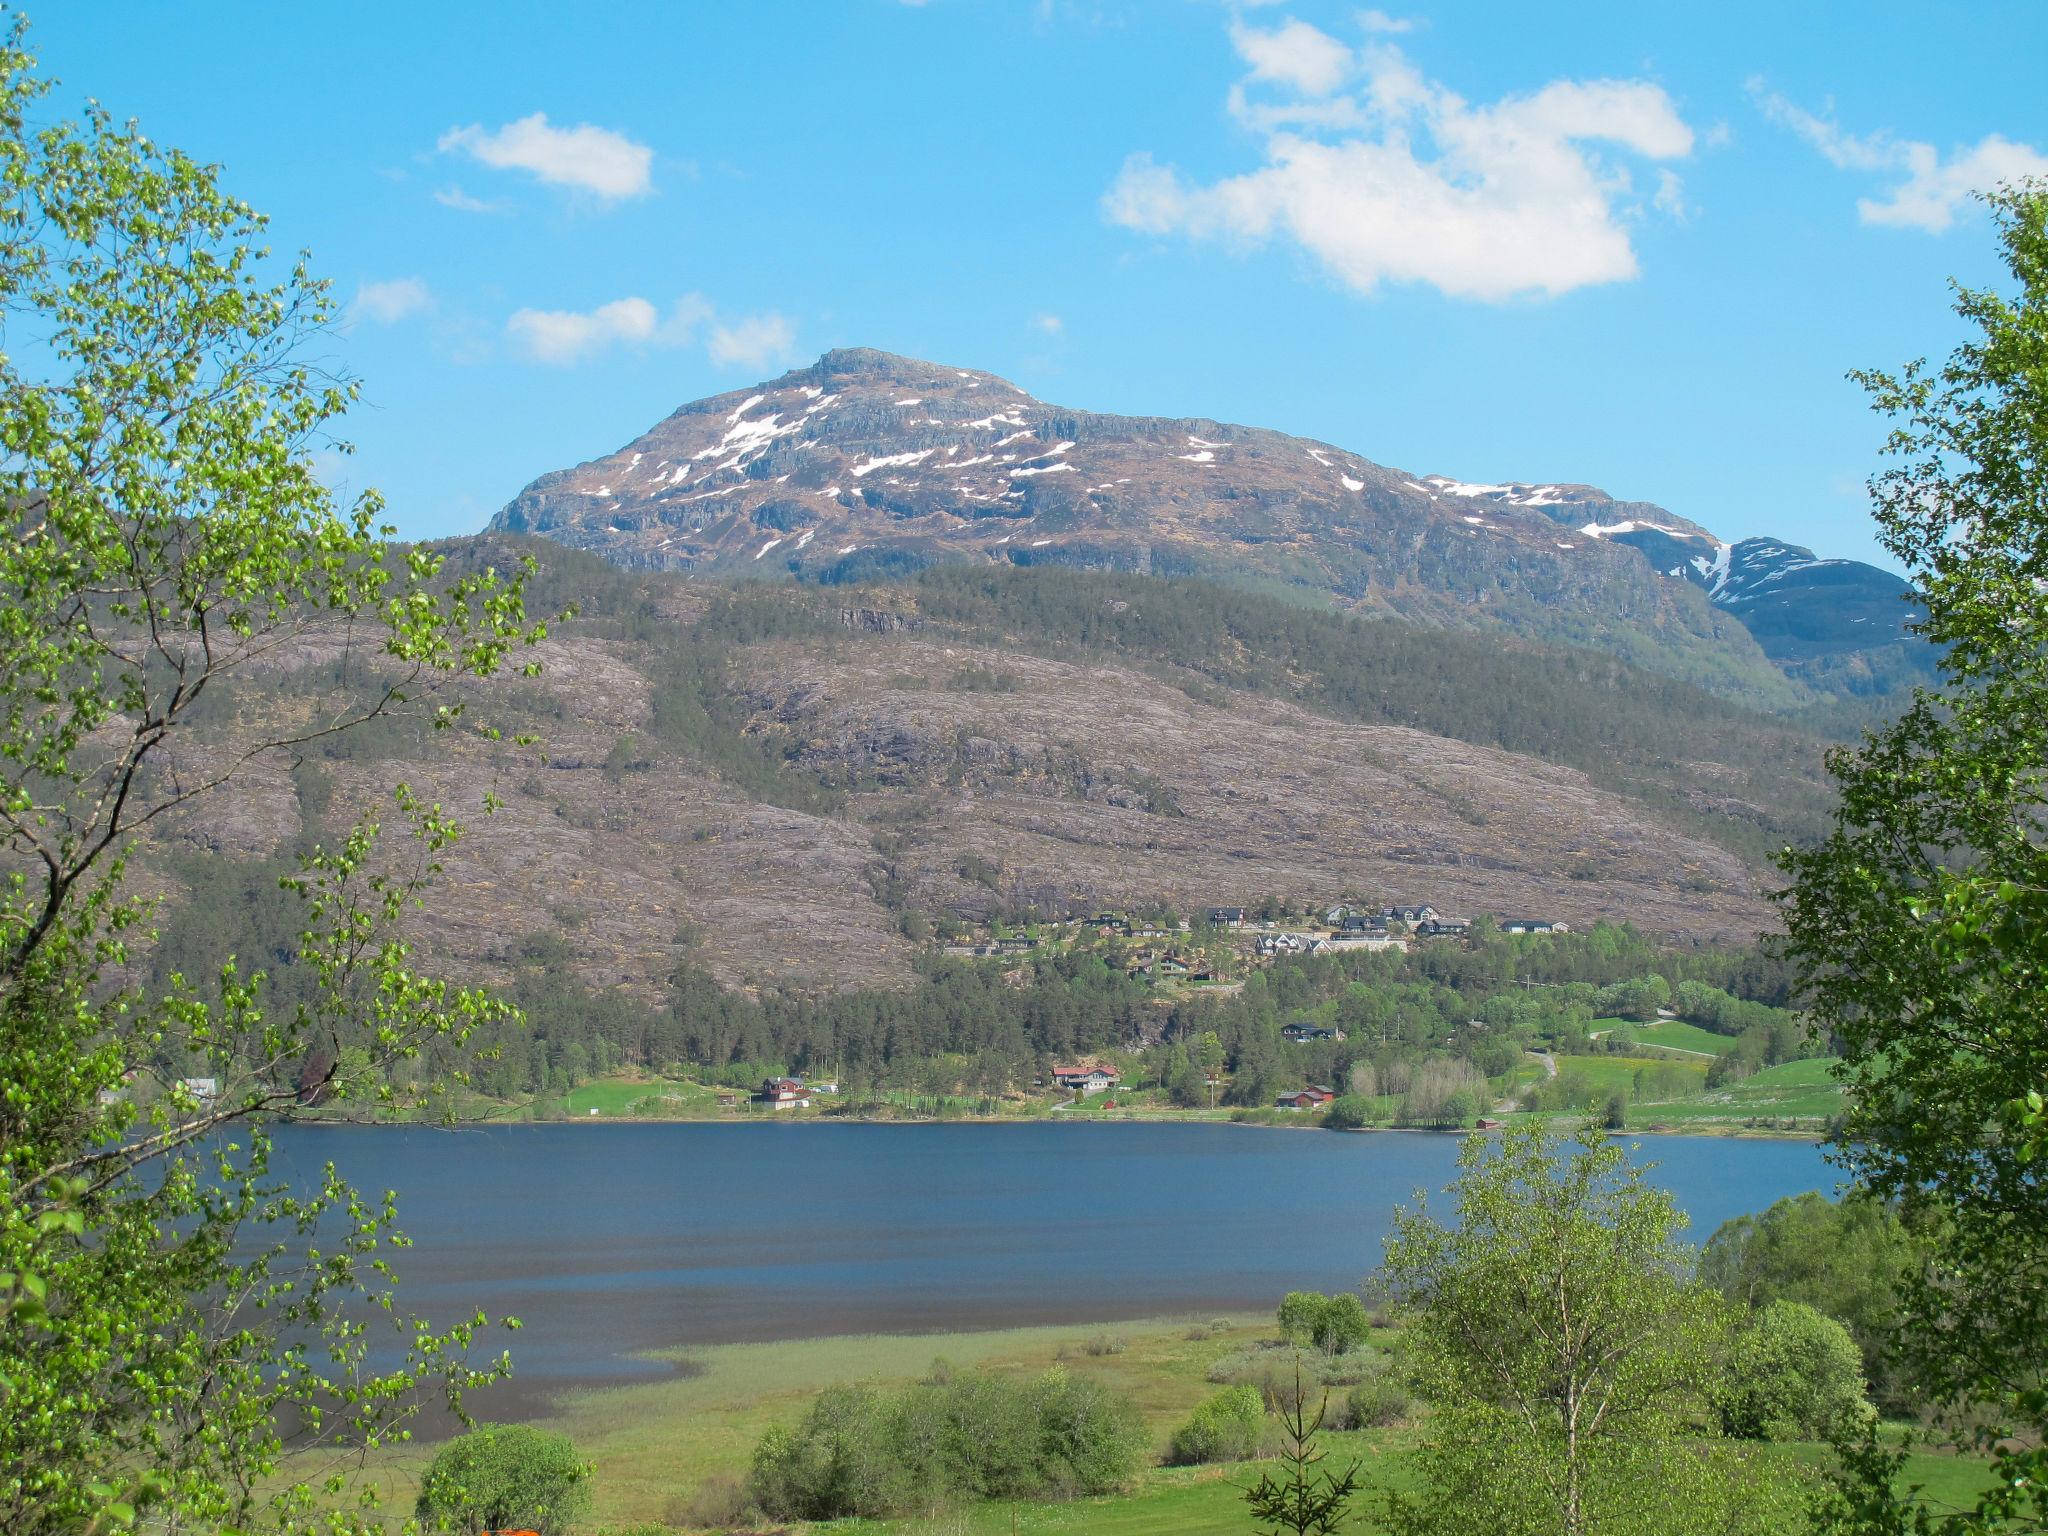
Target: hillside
(778, 781)
(866, 464)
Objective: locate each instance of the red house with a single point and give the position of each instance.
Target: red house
(784, 1093)
(1308, 1098)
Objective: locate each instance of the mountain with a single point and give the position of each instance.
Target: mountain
(868, 465)
(783, 782)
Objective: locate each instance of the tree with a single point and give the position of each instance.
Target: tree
(1335, 1325)
(1561, 1337)
(1845, 1258)
(164, 1316)
(1793, 1375)
(1920, 923)
(1209, 1056)
(1303, 1502)
(505, 1477)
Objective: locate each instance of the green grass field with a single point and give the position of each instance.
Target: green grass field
(654, 1443)
(1802, 1091)
(1677, 1035)
(1607, 1073)
(618, 1095)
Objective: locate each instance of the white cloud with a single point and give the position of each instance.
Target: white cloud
(569, 336)
(593, 159)
(1397, 179)
(1049, 323)
(1927, 188)
(1293, 54)
(566, 336)
(387, 303)
(753, 341)
(452, 196)
(1380, 21)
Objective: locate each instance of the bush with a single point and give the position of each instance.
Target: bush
(949, 1438)
(1793, 1374)
(1332, 1324)
(505, 1476)
(1348, 1112)
(1228, 1427)
(1378, 1401)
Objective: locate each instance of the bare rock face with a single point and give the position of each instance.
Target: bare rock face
(867, 464)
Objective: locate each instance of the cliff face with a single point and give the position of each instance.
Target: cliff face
(866, 464)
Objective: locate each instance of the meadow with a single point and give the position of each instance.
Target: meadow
(656, 1445)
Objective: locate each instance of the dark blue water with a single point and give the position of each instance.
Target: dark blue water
(606, 1241)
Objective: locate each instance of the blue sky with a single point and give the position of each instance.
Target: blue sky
(1637, 246)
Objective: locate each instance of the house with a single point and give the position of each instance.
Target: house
(1227, 917)
(1335, 916)
(1372, 938)
(1109, 923)
(1488, 1123)
(1358, 922)
(1532, 925)
(1282, 943)
(1301, 1031)
(204, 1089)
(1308, 1098)
(1086, 1077)
(1444, 928)
(1015, 946)
(1413, 915)
(784, 1093)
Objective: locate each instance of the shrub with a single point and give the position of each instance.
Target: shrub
(1227, 1427)
(505, 1476)
(1377, 1402)
(1348, 1112)
(949, 1438)
(1793, 1374)
(1332, 1324)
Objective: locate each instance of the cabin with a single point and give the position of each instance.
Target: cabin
(784, 1093)
(1488, 1123)
(1307, 1098)
(1086, 1077)
(1444, 928)
(203, 1089)
(1227, 917)
(1532, 925)
(1015, 946)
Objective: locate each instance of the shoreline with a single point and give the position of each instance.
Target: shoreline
(1708, 1130)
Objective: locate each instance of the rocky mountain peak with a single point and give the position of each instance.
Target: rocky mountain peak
(867, 463)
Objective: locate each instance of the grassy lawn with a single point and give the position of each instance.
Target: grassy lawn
(1677, 1035)
(1798, 1090)
(1608, 1073)
(618, 1095)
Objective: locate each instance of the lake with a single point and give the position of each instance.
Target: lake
(607, 1241)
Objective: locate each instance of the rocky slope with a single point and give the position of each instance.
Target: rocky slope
(867, 464)
(945, 770)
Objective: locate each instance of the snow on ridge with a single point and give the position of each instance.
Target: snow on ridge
(915, 456)
(1351, 484)
(1042, 469)
(1321, 458)
(750, 402)
(1204, 457)
(768, 546)
(913, 400)
(1201, 442)
(809, 534)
